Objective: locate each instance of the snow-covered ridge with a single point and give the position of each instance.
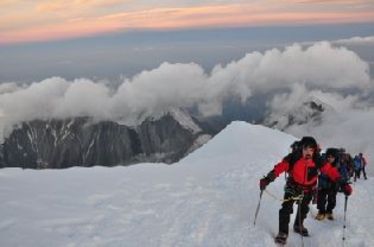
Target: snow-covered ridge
(308, 110)
(185, 120)
(208, 199)
(180, 115)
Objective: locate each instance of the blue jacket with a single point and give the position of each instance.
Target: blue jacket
(357, 163)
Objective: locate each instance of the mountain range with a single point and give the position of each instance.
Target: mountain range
(62, 143)
(83, 141)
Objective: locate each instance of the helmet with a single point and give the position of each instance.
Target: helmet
(308, 141)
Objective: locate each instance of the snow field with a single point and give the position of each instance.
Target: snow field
(207, 199)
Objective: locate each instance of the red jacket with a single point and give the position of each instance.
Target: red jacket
(305, 172)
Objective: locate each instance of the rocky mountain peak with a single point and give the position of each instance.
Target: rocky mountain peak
(60, 143)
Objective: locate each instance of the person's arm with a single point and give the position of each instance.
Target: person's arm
(270, 177)
(333, 173)
(280, 167)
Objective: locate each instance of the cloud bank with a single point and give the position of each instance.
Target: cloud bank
(369, 40)
(321, 69)
(185, 85)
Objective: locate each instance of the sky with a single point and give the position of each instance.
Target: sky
(112, 40)
(114, 57)
(40, 20)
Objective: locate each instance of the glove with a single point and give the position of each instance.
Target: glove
(267, 180)
(263, 183)
(347, 189)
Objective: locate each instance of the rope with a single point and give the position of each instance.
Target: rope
(292, 198)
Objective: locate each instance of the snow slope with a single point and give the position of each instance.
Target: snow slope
(207, 199)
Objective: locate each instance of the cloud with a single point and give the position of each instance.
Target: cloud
(41, 21)
(319, 65)
(152, 92)
(350, 129)
(347, 121)
(8, 87)
(59, 5)
(369, 40)
(329, 1)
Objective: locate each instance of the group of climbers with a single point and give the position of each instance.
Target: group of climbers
(311, 174)
(327, 189)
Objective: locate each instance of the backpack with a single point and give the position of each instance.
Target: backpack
(344, 171)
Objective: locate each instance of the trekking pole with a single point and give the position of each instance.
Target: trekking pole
(300, 221)
(345, 214)
(258, 207)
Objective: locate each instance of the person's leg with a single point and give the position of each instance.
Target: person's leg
(331, 203)
(284, 219)
(321, 204)
(284, 213)
(351, 173)
(321, 200)
(301, 214)
(364, 172)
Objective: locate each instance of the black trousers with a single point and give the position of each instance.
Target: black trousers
(326, 196)
(287, 209)
(364, 172)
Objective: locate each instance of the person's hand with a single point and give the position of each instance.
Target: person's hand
(347, 189)
(263, 183)
(267, 180)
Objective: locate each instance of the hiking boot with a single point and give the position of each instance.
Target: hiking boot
(281, 238)
(329, 216)
(301, 230)
(320, 216)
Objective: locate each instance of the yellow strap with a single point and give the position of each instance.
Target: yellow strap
(293, 198)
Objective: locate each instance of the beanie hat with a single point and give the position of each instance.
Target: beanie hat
(308, 141)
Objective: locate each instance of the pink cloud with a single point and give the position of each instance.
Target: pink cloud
(76, 22)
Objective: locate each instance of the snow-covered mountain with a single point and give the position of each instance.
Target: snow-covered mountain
(83, 142)
(206, 199)
(307, 111)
